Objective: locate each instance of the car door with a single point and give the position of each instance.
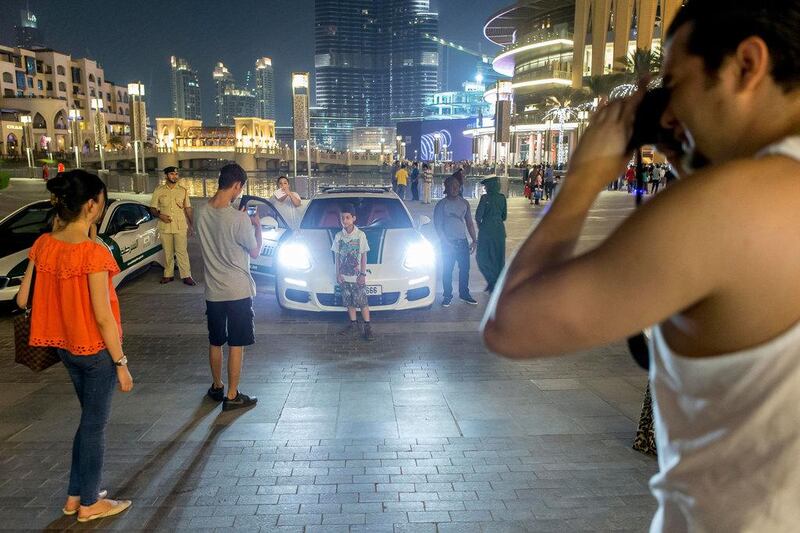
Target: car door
(124, 235)
(273, 229)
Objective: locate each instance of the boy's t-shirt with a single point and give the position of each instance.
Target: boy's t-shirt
(349, 247)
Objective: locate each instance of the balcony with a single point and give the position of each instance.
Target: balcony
(545, 77)
(539, 42)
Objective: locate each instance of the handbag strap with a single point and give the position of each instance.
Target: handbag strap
(30, 289)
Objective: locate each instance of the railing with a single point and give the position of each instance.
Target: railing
(541, 36)
(263, 185)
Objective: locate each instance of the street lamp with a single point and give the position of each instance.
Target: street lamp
(549, 142)
(99, 126)
(27, 120)
(397, 145)
(74, 117)
(383, 144)
(134, 90)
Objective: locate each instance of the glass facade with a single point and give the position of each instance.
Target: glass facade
(372, 61)
(186, 102)
(265, 89)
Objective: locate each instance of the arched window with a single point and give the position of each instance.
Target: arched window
(91, 78)
(119, 95)
(59, 121)
(125, 98)
(165, 132)
(62, 86)
(244, 131)
(39, 122)
(178, 132)
(91, 91)
(60, 70)
(9, 93)
(121, 111)
(7, 77)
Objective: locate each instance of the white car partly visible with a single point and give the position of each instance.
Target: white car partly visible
(127, 229)
(401, 263)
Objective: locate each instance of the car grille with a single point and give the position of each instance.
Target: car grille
(335, 300)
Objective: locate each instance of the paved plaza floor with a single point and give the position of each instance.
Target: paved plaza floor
(421, 430)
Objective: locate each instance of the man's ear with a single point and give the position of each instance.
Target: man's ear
(753, 63)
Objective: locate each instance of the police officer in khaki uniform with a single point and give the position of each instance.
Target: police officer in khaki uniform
(174, 210)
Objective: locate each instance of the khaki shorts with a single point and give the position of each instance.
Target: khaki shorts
(354, 295)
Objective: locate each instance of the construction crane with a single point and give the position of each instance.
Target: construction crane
(450, 44)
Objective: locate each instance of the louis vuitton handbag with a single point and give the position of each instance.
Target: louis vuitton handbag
(37, 358)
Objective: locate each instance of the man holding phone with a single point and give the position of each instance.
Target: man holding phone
(228, 239)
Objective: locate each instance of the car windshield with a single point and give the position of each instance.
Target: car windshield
(20, 231)
(371, 212)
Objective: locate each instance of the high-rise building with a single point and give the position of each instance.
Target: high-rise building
(413, 59)
(231, 101)
(186, 102)
(265, 89)
(28, 33)
(373, 63)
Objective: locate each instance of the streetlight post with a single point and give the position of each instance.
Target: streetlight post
(549, 141)
(383, 147)
(134, 90)
(74, 117)
(97, 107)
(26, 127)
(397, 141)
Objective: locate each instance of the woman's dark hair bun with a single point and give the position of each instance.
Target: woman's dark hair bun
(71, 190)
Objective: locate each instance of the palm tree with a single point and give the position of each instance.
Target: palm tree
(600, 87)
(563, 105)
(640, 63)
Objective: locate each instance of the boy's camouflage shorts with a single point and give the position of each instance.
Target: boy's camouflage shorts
(354, 295)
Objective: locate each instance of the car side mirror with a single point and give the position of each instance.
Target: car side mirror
(423, 221)
(268, 223)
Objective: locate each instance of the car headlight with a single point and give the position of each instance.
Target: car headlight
(419, 254)
(294, 256)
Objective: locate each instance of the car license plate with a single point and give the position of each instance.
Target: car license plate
(374, 290)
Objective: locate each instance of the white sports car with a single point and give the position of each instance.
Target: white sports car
(401, 263)
(127, 229)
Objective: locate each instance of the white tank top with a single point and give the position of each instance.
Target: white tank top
(728, 432)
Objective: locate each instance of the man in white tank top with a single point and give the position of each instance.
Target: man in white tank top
(725, 355)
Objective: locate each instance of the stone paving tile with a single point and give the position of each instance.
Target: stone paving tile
(421, 431)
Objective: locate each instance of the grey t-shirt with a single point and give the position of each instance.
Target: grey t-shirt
(226, 238)
(450, 216)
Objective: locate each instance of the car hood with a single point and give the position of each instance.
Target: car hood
(385, 245)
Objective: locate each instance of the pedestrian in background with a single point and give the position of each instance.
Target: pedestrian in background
(427, 183)
(414, 177)
(171, 205)
(453, 220)
(75, 309)
(45, 172)
(490, 216)
(229, 238)
(401, 177)
(287, 202)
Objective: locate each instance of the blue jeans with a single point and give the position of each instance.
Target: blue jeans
(94, 378)
(401, 191)
(452, 253)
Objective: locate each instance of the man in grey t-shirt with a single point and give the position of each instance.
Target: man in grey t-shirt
(228, 239)
(453, 220)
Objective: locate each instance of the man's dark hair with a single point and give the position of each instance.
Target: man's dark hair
(348, 208)
(719, 26)
(231, 174)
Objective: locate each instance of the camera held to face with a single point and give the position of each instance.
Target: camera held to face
(647, 129)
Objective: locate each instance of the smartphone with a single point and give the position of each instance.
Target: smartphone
(252, 210)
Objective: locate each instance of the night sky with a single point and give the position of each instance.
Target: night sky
(134, 39)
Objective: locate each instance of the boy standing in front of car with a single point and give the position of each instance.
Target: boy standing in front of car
(350, 246)
(173, 209)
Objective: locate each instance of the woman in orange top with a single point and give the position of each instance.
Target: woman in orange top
(75, 309)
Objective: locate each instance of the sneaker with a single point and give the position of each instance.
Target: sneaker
(446, 301)
(469, 300)
(350, 330)
(216, 394)
(240, 402)
(368, 336)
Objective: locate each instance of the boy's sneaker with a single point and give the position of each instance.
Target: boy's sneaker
(469, 299)
(240, 402)
(216, 394)
(350, 330)
(368, 336)
(447, 301)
